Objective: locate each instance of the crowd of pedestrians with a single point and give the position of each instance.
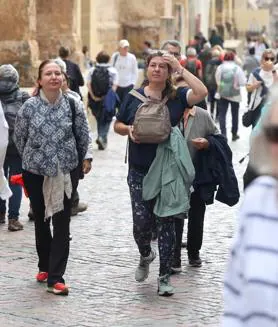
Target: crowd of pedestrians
(179, 160)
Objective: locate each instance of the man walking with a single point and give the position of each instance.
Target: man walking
(126, 65)
(73, 71)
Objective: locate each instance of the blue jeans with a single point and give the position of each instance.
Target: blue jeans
(12, 166)
(103, 128)
(223, 107)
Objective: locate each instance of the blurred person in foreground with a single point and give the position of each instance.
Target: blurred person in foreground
(251, 293)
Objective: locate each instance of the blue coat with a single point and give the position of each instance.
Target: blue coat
(215, 172)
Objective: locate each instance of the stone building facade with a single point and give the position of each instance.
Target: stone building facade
(33, 30)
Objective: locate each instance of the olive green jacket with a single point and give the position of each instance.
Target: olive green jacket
(170, 177)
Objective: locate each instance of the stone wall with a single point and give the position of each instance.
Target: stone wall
(18, 44)
(141, 22)
(55, 27)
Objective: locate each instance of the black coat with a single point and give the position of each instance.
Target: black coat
(215, 172)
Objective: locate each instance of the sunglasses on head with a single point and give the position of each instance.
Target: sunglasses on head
(269, 59)
(271, 133)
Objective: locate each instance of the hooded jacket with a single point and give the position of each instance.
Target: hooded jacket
(12, 99)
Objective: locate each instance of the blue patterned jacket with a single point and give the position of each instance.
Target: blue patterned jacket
(44, 136)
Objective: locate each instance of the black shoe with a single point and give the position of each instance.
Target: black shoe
(184, 244)
(235, 137)
(154, 236)
(31, 215)
(195, 260)
(176, 267)
(101, 144)
(2, 217)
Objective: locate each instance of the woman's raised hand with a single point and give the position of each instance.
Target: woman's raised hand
(173, 62)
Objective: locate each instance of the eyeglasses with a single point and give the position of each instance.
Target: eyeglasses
(176, 54)
(271, 133)
(269, 59)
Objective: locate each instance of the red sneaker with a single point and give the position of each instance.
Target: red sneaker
(58, 289)
(42, 276)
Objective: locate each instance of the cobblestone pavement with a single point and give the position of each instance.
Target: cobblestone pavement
(103, 259)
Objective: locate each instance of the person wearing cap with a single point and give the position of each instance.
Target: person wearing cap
(12, 99)
(126, 65)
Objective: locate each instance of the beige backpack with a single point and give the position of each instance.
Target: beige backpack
(152, 120)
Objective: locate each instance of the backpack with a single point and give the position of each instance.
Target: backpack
(209, 76)
(228, 85)
(100, 81)
(11, 106)
(152, 120)
(191, 66)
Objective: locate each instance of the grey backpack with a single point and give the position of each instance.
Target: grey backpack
(152, 120)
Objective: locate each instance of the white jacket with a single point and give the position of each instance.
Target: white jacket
(5, 191)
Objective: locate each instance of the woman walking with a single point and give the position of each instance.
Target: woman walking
(52, 140)
(160, 66)
(229, 78)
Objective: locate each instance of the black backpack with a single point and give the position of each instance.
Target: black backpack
(100, 81)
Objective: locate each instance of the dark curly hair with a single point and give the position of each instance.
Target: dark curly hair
(169, 89)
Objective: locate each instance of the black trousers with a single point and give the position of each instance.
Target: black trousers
(195, 228)
(52, 250)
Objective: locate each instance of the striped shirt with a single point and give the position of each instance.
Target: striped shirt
(251, 283)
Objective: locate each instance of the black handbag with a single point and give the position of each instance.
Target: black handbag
(80, 159)
(251, 116)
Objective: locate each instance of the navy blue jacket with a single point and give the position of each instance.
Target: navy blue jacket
(215, 172)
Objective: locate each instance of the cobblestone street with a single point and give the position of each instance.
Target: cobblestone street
(103, 258)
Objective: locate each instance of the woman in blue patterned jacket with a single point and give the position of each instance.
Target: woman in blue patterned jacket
(52, 140)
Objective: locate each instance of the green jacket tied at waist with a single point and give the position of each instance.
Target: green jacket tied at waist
(170, 177)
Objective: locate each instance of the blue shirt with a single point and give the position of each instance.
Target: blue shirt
(142, 155)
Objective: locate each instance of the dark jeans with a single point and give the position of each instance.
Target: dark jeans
(223, 107)
(53, 251)
(12, 166)
(195, 229)
(142, 212)
(123, 91)
(103, 128)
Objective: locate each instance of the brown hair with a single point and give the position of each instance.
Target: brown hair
(102, 57)
(169, 89)
(41, 67)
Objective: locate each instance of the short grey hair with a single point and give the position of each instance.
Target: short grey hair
(173, 43)
(191, 52)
